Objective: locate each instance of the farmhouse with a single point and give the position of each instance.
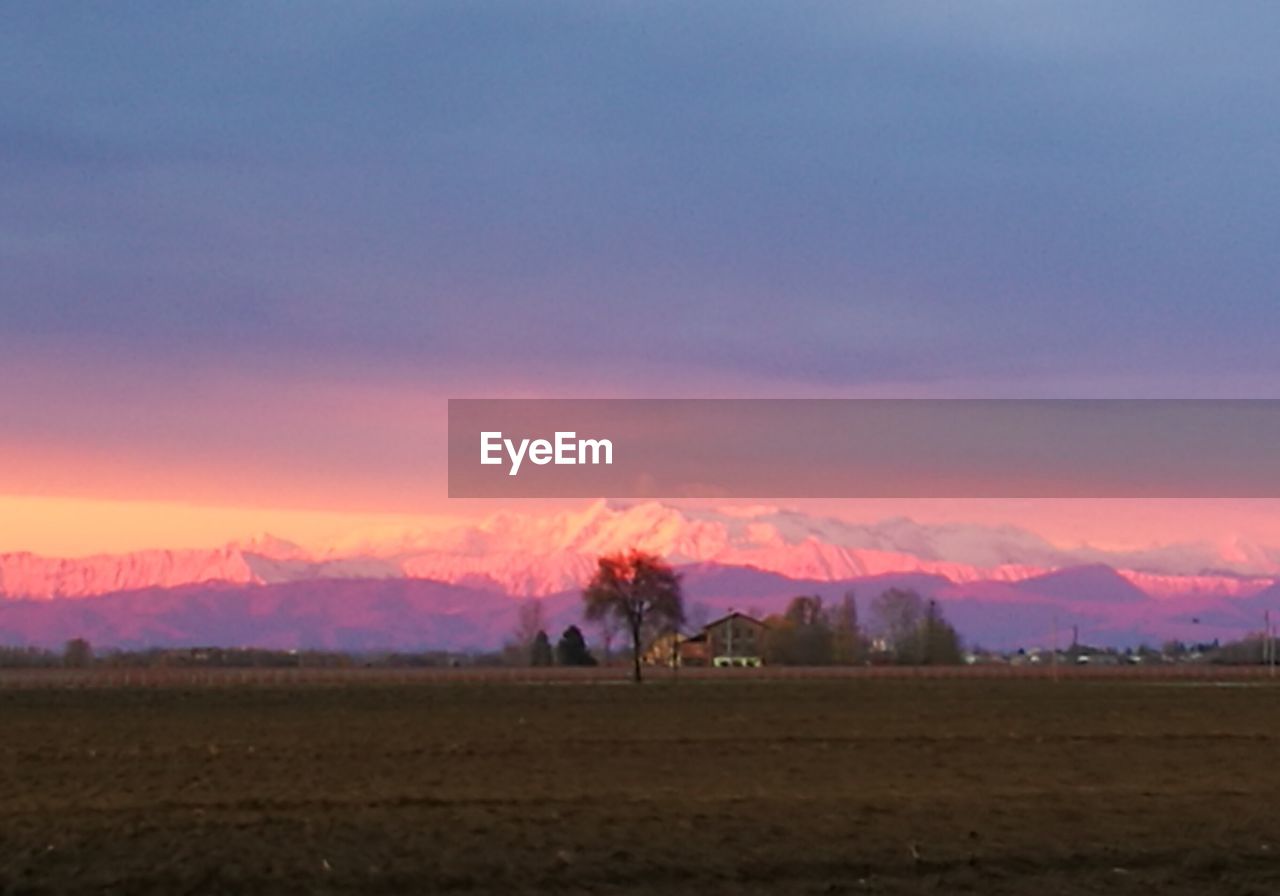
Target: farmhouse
(733, 640)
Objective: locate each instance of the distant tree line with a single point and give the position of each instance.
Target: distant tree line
(531, 645)
(28, 658)
(809, 633)
(903, 629)
(639, 595)
(1256, 649)
(78, 653)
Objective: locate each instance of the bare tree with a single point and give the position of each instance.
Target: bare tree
(521, 648)
(915, 629)
(530, 619)
(806, 610)
(897, 616)
(609, 628)
(802, 636)
(640, 591)
(848, 646)
(939, 639)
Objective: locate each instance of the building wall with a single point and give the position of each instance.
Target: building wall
(736, 636)
(694, 653)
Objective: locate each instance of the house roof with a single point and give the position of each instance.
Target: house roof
(733, 615)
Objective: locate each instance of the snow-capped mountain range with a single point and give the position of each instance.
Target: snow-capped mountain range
(749, 557)
(538, 555)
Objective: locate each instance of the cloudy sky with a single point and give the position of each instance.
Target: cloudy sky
(247, 249)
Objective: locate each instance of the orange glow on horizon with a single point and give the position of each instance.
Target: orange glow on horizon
(73, 527)
(82, 525)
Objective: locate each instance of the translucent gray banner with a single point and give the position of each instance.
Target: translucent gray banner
(863, 448)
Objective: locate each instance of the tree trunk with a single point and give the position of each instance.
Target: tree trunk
(635, 653)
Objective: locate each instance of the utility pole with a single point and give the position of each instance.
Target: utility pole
(1269, 646)
(1054, 661)
(728, 648)
(928, 632)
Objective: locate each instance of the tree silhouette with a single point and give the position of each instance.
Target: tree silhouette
(914, 629)
(848, 644)
(572, 649)
(640, 591)
(802, 635)
(540, 650)
(77, 653)
(898, 617)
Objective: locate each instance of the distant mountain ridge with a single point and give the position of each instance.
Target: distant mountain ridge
(412, 614)
(538, 555)
(460, 588)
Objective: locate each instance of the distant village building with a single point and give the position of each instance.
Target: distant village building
(733, 640)
(670, 649)
(736, 640)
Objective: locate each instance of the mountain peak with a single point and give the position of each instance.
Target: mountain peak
(1091, 582)
(267, 545)
(547, 553)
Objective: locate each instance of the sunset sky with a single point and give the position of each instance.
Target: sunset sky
(248, 249)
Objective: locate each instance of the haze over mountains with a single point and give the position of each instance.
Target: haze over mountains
(459, 588)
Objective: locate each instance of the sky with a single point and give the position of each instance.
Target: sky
(248, 249)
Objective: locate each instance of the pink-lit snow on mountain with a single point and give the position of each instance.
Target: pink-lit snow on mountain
(539, 554)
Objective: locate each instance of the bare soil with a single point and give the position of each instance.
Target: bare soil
(735, 786)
